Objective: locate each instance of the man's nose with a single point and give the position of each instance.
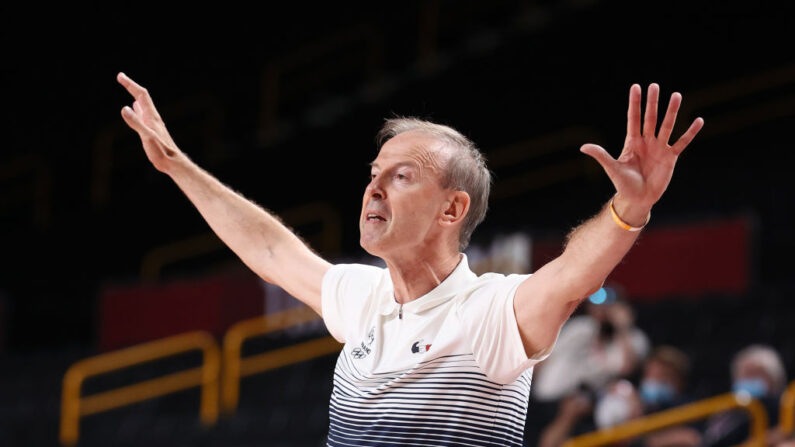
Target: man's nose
(375, 188)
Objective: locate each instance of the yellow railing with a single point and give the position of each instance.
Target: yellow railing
(237, 367)
(786, 417)
(680, 415)
(73, 405)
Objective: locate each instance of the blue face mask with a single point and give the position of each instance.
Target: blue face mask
(755, 387)
(654, 392)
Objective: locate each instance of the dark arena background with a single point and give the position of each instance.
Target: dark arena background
(125, 321)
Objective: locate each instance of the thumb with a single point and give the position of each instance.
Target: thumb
(602, 157)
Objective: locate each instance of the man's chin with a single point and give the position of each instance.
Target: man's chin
(371, 246)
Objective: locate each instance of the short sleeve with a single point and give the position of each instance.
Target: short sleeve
(346, 293)
(488, 317)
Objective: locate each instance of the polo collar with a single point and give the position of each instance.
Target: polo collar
(442, 293)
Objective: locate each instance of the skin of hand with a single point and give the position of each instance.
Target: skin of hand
(575, 406)
(640, 175)
(145, 120)
(258, 238)
(643, 170)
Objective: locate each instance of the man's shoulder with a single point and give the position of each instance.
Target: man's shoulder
(495, 279)
(487, 285)
(358, 268)
(354, 273)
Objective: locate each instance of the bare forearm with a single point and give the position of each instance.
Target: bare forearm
(640, 174)
(256, 236)
(593, 250)
(556, 433)
(261, 241)
(598, 245)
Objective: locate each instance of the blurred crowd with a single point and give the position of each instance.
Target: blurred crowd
(605, 371)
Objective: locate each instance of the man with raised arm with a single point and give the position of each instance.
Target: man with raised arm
(434, 354)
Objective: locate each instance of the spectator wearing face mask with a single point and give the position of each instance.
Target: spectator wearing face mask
(663, 386)
(664, 381)
(584, 412)
(758, 371)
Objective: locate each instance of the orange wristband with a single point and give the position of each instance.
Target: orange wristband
(623, 224)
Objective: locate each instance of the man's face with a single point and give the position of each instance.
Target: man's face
(404, 201)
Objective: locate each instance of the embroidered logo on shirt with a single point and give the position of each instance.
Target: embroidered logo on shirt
(363, 350)
(419, 346)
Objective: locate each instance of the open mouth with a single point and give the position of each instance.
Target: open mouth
(374, 217)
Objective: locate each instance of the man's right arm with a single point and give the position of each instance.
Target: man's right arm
(261, 241)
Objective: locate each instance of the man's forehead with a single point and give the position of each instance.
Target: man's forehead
(413, 146)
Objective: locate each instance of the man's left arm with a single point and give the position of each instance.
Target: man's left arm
(545, 300)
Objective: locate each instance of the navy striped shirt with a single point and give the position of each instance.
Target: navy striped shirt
(446, 369)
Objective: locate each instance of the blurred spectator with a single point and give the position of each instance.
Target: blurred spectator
(618, 403)
(756, 371)
(621, 403)
(591, 351)
(570, 420)
(664, 381)
(662, 386)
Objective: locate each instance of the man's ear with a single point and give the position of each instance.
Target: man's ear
(456, 208)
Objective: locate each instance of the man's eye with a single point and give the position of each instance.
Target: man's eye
(402, 176)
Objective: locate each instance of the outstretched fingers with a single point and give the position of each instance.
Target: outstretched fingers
(633, 113)
(688, 136)
(670, 118)
(140, 94)
(650, 119)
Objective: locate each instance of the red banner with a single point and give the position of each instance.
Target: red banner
(683, 260)
(137, 313)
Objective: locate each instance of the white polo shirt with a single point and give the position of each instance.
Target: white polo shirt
(448, 368)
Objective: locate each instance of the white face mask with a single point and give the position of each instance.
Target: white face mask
(612, 409)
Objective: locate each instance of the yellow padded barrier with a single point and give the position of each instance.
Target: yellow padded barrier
(786, 417)
(680, 415)
(73, 405)
(237, 367)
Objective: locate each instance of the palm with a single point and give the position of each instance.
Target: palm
(643, 170)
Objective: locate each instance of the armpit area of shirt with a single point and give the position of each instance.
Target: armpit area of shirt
(489, 322)
(329, 303)
(516, 338)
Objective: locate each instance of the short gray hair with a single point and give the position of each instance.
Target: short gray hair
(767, 358)
(466, 173)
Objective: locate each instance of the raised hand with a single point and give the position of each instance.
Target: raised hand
(144, 119)
(643, 170)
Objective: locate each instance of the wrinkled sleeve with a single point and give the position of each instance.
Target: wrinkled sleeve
(488, 317)
(345, 293)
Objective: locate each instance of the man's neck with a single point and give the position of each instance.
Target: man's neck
(413, 277)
